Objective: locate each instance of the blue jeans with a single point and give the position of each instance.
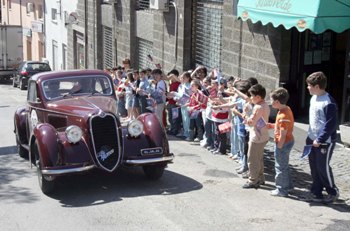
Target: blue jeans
(185, 120)
(234, 138)
(283, 178)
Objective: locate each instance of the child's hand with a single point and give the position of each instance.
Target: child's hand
(270, 125)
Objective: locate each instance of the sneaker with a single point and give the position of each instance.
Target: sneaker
(310, 197)
(277, 193)
(196, 140)
(235, 157)
(245, 175)
(209, 148)
(241, 171)
(188, 139)
(250, 185)
(331, 198)
(217, 152)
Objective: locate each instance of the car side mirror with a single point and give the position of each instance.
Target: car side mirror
(37, 100)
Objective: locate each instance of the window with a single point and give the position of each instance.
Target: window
(53, 14)
(142, 5)
(64, 56)
(145, 48)
(32, 95)
(207, 33)
(40, 12)
(30, 7)
(107, 47)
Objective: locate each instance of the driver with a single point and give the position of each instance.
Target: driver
(53, 89)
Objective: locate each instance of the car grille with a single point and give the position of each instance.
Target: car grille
(105, 139)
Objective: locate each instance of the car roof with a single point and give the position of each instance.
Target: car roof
(35, 62)
(70, 73)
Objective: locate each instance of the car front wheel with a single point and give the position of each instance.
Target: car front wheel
(21, 151)
(46, 183)
(154, 172)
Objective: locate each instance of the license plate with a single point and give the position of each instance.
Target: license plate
(151, 151)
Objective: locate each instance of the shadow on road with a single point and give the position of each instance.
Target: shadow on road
(99, 188)
(8, 150)
(301, 181)
(13, 169)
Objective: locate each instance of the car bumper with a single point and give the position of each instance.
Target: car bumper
(150, 160)
(56, 172)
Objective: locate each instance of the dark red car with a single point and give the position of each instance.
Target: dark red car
(69, 125)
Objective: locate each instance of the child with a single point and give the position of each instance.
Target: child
(258, 136)
(322, 135)
(197, 102)
(284, 141)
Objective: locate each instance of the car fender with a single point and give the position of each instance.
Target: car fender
(20, 124)
(153, 136)
(47, 141)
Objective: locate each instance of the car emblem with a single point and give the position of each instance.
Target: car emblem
(102, 114)
(104, 153)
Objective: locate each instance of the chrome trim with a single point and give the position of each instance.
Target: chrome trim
(93, 141)
(68, 170)
(151, 160)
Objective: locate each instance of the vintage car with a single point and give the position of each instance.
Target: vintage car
(69, 125)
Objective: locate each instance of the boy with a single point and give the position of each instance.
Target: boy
(322, 135)
(258, 136)
(284, 141)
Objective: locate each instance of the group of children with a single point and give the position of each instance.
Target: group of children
(207, 108)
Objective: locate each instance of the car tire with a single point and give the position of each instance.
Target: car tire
(14, 84)
(22, 152)
(154, 172)
(21, 86)
(46, 185)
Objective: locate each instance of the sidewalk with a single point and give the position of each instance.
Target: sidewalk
(300, 170)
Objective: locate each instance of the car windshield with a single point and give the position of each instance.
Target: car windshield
(82, 85)
(37, 67)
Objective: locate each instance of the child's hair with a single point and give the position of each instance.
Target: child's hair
(281, 94)
(197, 83)
(243, 86)
(187, 75)
(257, 90)
(204, 70)
(252, 81)
(317, 78)
(130, 77)
(157, 71)
(174, 71)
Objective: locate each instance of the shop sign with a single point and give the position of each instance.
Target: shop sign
(284, 5)
(27, 32)
(37, 26)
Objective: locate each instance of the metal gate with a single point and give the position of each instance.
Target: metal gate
(107, 47)
(207, 33)
(145, 49)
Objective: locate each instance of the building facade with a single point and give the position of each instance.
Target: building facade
(30, 15)
(59, 17)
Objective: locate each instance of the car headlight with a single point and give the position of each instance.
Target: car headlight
(74, 134)
(135, 128)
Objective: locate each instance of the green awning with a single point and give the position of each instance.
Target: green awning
(315, 15)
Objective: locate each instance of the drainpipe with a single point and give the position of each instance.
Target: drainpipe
(176, 28)
(44, 22)
(85, 33)
(94, 33)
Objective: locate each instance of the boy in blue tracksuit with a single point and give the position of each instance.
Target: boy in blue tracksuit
(322, 136)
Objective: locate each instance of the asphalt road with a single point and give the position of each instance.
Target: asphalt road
(199, 191)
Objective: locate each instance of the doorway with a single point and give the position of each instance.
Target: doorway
(324, 52)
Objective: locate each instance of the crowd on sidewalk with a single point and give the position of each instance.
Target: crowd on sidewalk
(220, 112)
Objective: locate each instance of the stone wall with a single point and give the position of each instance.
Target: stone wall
(254, 50)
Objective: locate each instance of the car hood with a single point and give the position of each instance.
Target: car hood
(83, 106)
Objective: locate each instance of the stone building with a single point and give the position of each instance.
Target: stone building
(219, 34)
